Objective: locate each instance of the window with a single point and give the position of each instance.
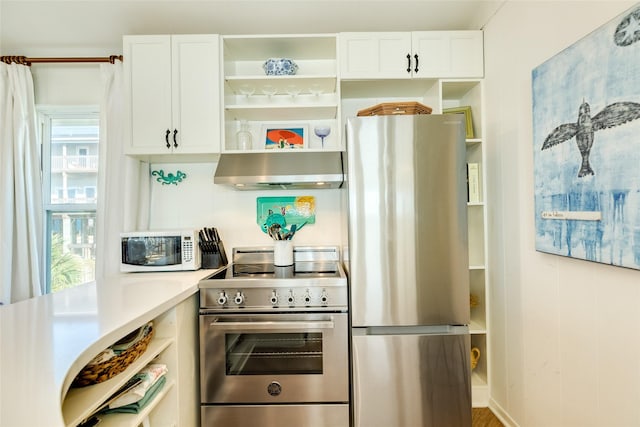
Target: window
(70, 175)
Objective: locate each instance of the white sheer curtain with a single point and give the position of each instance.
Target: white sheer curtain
(21, 211)
(123, 182)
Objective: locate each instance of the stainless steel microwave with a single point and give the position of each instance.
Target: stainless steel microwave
(166, 250)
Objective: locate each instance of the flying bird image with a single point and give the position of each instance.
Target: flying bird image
(584, 129)
(628, 31)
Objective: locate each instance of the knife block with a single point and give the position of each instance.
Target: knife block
(212, 255)
(211, 260)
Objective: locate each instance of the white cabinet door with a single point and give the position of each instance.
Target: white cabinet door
(419, 54)
(196, 93)
(147, 82)
(172, 88)
(374, 55)
(448, 54)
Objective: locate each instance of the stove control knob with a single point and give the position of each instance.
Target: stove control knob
(291, 298)
(274, 298)
(274, 389)
(222, 298)
(307, 298)
(324, 298)
(239, 298)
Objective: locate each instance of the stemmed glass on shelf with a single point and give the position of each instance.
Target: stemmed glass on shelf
(322, 132)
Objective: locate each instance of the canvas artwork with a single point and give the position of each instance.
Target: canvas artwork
(285, 137)
(586, 140)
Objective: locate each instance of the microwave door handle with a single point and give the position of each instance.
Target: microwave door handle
(272, 325)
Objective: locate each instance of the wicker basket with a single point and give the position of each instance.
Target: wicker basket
(97, 373)
(395, 108)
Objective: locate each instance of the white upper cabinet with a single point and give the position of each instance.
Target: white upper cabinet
(374, 55)
(419, 54)
(448, 54)
(172, 86)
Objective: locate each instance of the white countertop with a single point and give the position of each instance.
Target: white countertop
(46, 341)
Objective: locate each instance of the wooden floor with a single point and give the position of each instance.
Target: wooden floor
(483, 417)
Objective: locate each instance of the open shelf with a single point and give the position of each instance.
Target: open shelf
(281, 111)
(306, 84)
(134, 420)
(80, 403)
(308, 98)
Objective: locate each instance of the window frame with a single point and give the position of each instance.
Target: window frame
(45, 115)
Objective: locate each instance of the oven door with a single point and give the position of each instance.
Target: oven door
(274, 358)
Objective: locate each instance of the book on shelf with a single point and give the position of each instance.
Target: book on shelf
(473, 182)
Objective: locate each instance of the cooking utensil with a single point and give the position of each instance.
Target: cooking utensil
(291, 232)
(275, 231)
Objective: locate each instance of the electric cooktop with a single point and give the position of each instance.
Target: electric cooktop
(315, 281)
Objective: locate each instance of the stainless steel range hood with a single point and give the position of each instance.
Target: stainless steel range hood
(285, 170)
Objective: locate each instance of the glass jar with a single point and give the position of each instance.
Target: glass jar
(243, 137)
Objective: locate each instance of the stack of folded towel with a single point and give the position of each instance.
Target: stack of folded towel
(138, 391)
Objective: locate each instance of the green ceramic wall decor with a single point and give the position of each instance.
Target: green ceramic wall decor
(286, 211)
(170, 178)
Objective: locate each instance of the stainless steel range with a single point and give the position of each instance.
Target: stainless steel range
(274, 341)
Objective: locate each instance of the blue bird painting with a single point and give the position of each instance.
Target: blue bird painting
(586, 174)
(585, 128)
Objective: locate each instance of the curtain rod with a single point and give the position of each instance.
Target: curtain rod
(28, 61)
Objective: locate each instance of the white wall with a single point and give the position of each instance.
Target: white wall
(198, 202)
(564, 333)
(67, 84)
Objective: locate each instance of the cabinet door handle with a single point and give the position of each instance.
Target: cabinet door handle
(175, 143)
(166, 138)
(408, 63)
(416, 57)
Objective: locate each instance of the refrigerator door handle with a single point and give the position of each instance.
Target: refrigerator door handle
(356, 385)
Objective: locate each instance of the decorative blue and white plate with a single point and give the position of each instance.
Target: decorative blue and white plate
(279, 67)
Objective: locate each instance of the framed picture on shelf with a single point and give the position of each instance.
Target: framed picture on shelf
(467, 117)
(284, 137)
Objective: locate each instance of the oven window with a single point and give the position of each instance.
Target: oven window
(274, 353)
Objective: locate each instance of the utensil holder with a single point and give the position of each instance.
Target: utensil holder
(282, 253)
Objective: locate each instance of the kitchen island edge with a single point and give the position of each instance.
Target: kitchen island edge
(46, 341)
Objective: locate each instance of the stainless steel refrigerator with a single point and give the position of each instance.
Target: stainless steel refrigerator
(408, 265)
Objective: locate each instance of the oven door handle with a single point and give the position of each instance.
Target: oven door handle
(273, 325)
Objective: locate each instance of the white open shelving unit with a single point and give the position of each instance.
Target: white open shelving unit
(458, 93)
(81, 402)
(175, 404)
(310, 97)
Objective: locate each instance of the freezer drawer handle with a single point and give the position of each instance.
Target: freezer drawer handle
(273, 325)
